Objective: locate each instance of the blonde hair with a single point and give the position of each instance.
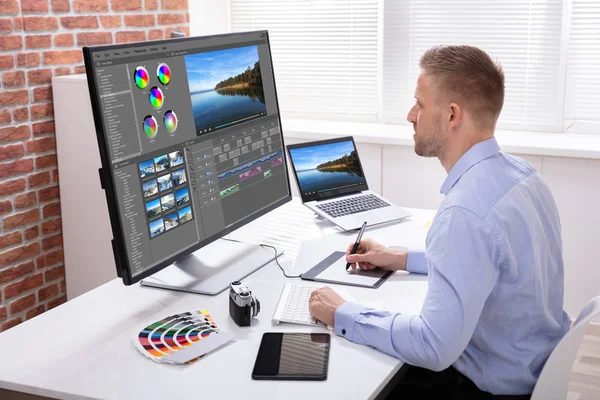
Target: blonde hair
(468, 76)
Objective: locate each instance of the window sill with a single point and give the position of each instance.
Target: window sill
(568, 145)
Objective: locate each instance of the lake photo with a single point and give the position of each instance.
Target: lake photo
(225, 85)
(326, 167)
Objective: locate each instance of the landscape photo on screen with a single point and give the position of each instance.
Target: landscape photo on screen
(225, 86)
(164, 182)
(167, 202)
(146, 168)
(182, 196)
(150, 188)
(157, 227)
(176, 158)
(328, 166)
(153, 208)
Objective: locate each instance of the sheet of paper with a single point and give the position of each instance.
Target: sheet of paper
(337, 272)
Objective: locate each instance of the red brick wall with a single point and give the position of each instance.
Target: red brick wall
(40, 39)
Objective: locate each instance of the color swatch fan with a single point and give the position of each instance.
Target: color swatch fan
(181, 338)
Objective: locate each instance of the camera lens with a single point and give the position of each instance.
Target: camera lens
(256, 307)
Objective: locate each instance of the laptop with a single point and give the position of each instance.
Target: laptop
(332, 183)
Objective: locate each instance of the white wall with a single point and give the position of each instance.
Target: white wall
(209, 17)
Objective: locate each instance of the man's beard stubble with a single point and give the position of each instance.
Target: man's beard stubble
(431, 143)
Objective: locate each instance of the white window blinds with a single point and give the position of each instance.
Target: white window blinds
(524, 36)
(325, 53)
(583, 63)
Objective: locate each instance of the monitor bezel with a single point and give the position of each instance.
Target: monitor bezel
(333, 192)
(107, 178)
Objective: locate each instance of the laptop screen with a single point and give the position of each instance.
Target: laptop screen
(327, 168)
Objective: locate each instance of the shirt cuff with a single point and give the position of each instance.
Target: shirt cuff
(416, 262)
(345, 317)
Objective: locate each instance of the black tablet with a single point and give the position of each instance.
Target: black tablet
(292, 356)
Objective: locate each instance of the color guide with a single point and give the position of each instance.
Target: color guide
(170, 120)
(141, 77)
(156, 97)
(163, 73)
(150, 126)
(181, 338)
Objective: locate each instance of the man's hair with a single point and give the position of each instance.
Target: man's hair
(468, 76)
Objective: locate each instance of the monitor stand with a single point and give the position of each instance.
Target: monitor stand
(211, 269)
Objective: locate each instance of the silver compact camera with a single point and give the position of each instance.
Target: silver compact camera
(242, 305)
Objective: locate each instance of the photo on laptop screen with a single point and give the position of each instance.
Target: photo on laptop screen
(326, 167)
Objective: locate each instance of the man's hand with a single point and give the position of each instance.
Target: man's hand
(371, 255)
(323, 303)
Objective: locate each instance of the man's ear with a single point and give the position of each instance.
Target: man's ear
(455, 116)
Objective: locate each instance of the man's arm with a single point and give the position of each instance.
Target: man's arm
(416, 262)
(463, 256)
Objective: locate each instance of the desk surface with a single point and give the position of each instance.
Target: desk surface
(83, 348)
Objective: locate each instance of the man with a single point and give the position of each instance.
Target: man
(494, 307)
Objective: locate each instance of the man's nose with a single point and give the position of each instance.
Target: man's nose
(411, 115)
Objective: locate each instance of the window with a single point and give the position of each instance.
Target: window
(358, 59)
(325, 53)
(523, 36)
(582, 108)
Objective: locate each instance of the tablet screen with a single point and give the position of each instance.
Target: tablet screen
(292, 356)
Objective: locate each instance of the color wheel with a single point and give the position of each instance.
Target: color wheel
(141, 77)
(156, 97)
(150, 126)
(175, 333)
(164, 73)
(170, 120)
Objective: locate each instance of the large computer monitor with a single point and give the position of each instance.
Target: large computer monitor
(190, 140)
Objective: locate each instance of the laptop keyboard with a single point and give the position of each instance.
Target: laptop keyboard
(352, 205)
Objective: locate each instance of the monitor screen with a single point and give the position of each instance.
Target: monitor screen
(190, 140)
(327, 168)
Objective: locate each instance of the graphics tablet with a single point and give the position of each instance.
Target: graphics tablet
(292, 356)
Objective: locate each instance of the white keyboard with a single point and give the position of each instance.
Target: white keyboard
(293, 305)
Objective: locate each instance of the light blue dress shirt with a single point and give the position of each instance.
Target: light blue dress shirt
(494, 307)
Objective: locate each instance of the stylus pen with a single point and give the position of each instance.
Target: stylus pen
(362, 230)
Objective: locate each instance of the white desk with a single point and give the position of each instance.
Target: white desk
(83, 348)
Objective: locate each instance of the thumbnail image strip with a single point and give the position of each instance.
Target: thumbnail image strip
(153, 208)
(161, 163)
(185, 214)
(146, 168)
(182, 196)
(179, 177)
(176, 158)
(171, 220)
(156, 227)
(167, 202)
(164, 182)
(150, 188)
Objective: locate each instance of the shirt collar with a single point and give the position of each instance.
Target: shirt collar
(475, 154)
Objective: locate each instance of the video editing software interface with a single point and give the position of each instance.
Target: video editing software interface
(193, 136)
(324, 168)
